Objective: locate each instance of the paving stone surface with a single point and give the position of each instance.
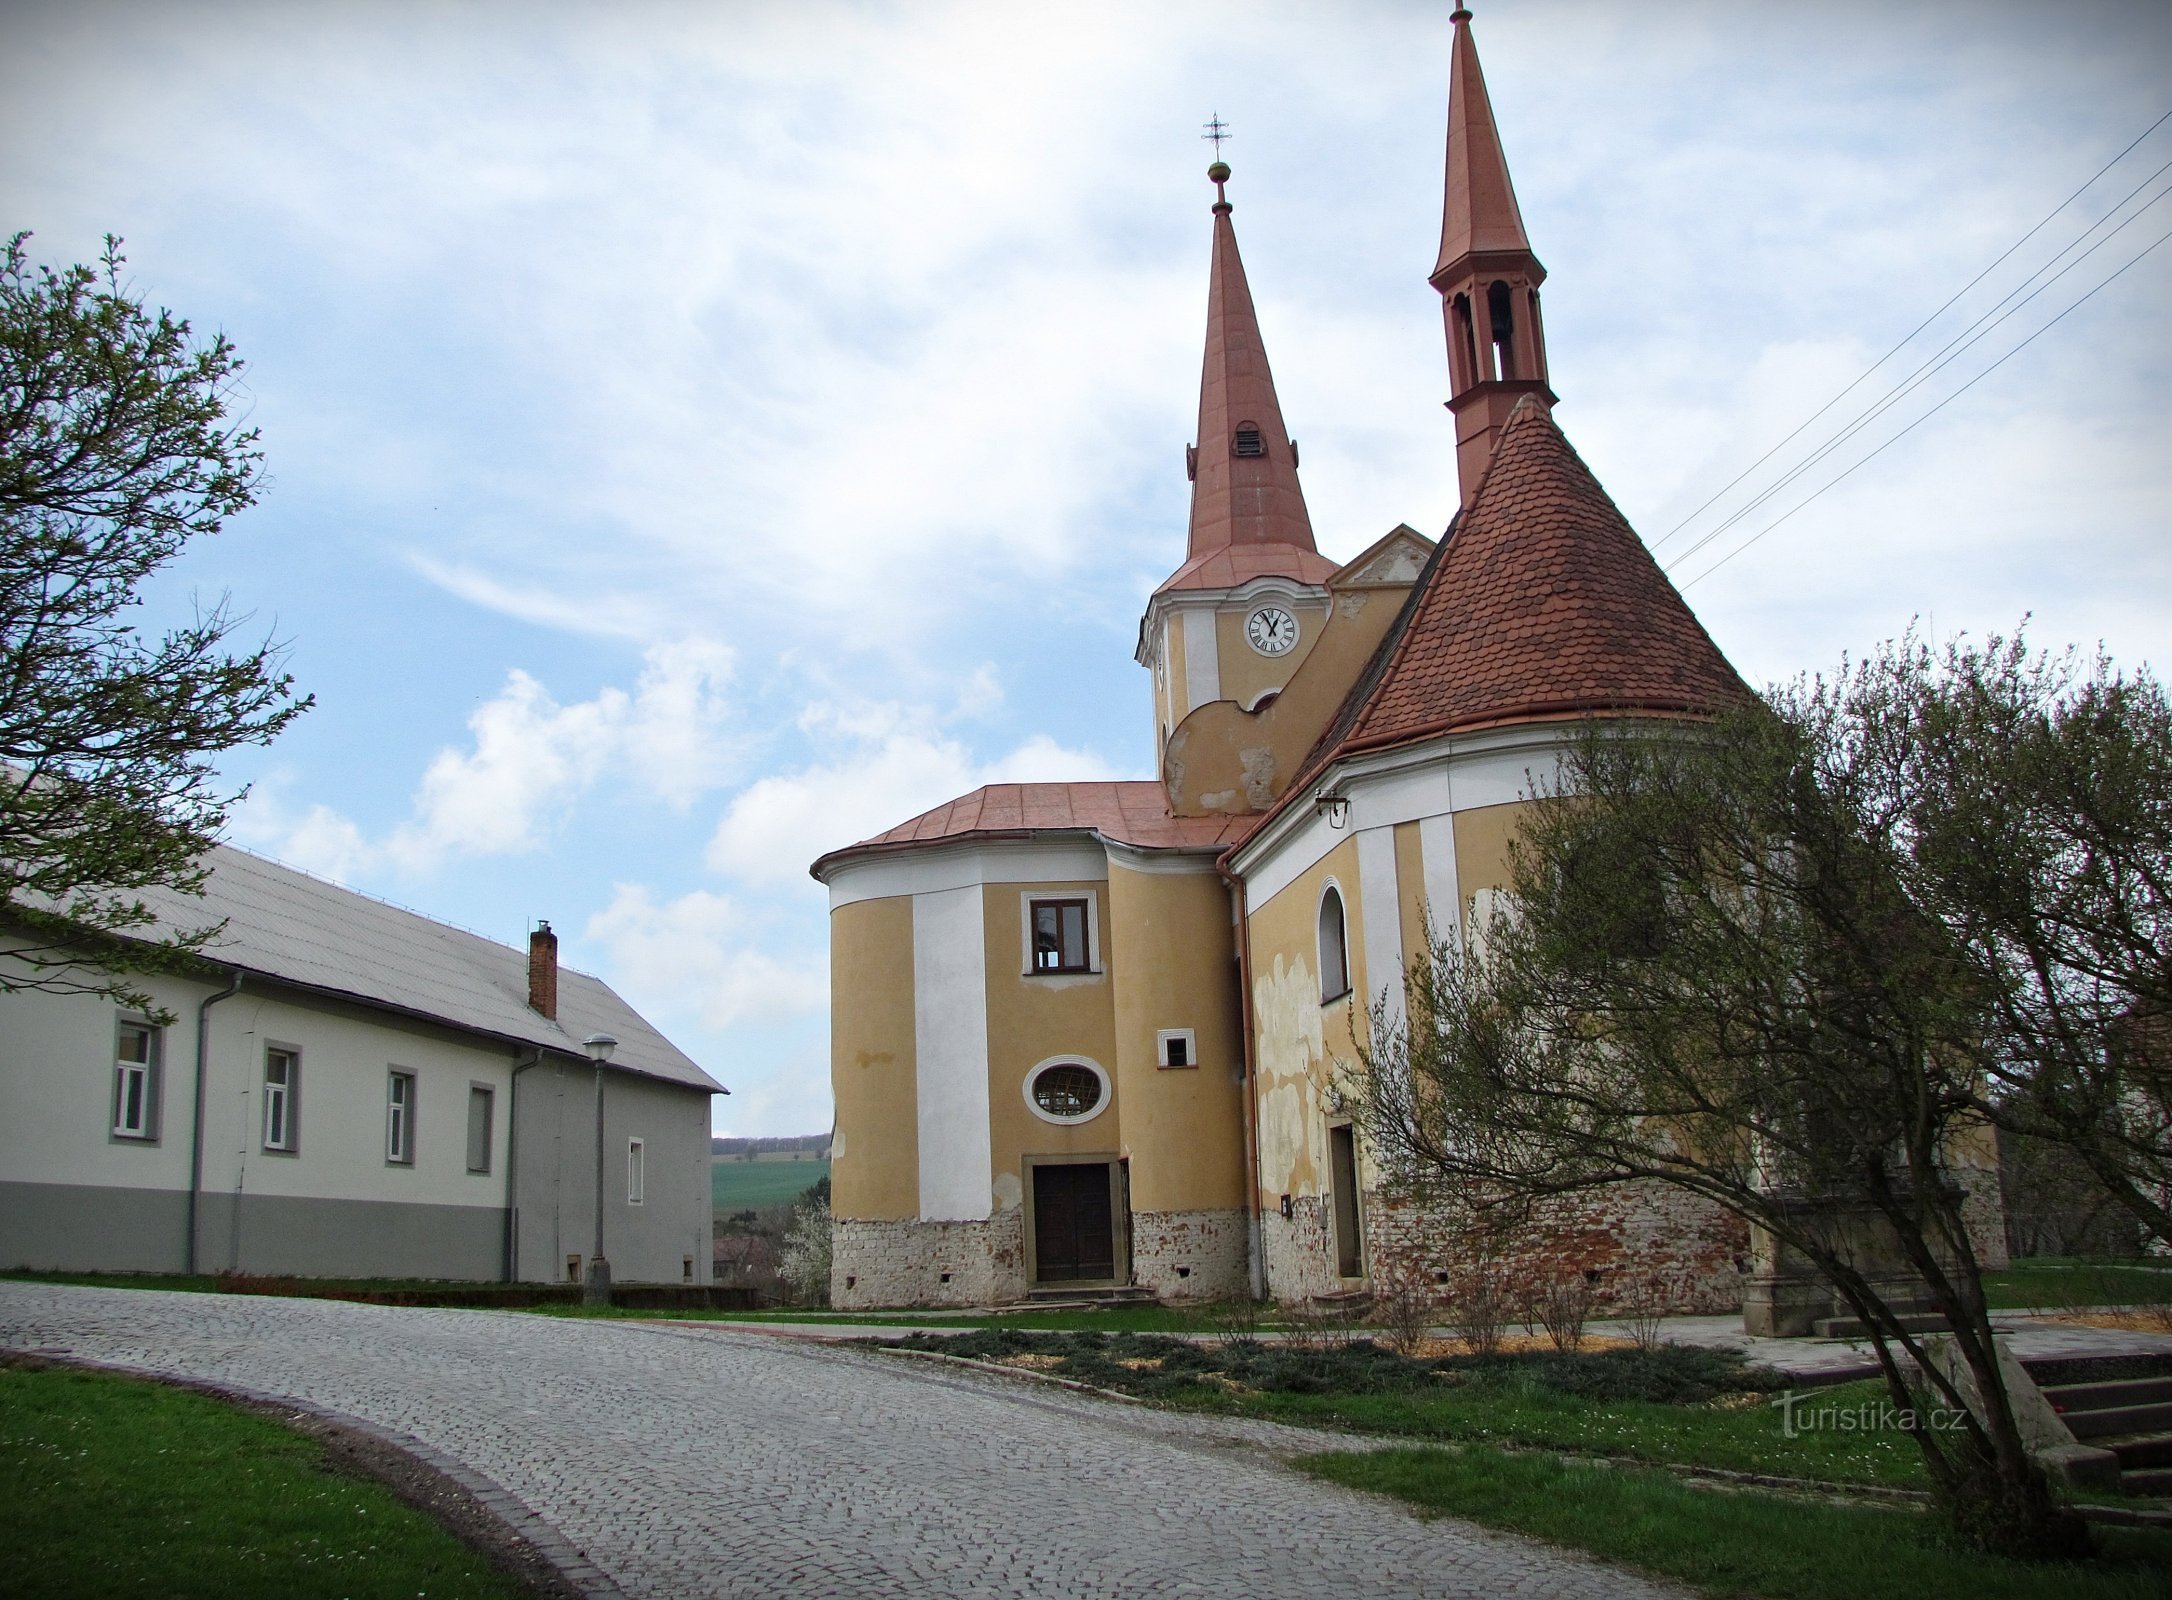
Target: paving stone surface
(696, 1462)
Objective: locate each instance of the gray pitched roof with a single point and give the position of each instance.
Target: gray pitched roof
(282, 923)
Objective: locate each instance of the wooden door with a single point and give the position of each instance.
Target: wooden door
(1074, 1233)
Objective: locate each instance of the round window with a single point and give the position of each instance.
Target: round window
(1067, 1091)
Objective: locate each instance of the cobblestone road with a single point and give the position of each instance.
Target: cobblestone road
(688, 1462)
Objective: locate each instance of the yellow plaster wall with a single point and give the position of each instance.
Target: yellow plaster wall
(1298, 1042)
(1222, 758)
(1033, 1018)
(1482, 840)
(875, 1170)
(1173, 958)
(1244, 671)
(1410, 889)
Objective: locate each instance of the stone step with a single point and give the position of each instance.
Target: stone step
(2119, 1392)
(2141, 1453)
(1129, 1294)
(2150, 1480)
(1853, 1328)
(2115, 1420)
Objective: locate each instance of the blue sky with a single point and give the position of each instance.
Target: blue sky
(702, 435)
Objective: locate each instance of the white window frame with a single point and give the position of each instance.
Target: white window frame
(399, 1117)
(283, 1101)
(144, 1074)
(1069, 1059)
(1164, 1037)
(637, 1170)
(489, 1092)
(1091, 895)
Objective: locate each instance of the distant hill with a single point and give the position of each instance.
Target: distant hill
(816, 1145)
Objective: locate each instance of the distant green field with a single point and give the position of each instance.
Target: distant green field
(737, 1185)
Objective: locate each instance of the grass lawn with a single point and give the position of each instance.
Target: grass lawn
(1115, 1319)
(1675, 1405)
(736, 1185)
(2055, 1281)
(1735, 1543)
(116, 1486)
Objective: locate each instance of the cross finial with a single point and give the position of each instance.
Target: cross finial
(1217, 130)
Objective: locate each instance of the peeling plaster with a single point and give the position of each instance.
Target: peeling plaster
(1259, 776)
(1292, 1051)
(1009, 1192)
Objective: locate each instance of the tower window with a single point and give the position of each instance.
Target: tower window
(1249, 441)
(1500, 313)
(1060, 942)
(1466, 343)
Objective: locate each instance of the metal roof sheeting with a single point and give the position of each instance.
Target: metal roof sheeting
(282, 923)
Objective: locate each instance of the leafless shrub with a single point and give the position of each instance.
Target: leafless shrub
(1318, 1327)
(1234, 1325)
(1642, 1313)
(1563, 1307)
(1405, 1306)
(1480, 1309)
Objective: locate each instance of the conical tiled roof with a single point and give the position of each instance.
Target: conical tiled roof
(1541, 603)
(1248, 515)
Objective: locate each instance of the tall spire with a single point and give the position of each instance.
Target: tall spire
(1248, 513)
(1486, 274)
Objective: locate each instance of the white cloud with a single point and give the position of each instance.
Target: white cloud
(902, 765)
(699, 956)
(529, 759)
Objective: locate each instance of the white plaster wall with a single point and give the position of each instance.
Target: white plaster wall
(1443, 888)
(1202, 660)
(1380, 961)
(950, 1045)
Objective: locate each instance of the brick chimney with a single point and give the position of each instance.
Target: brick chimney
(543, 971)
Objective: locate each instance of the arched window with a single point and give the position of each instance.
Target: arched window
(1466, 344)
(1249, 440)
(1500, 312)
(1334, 947)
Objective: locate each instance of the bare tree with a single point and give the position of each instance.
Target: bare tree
(1714, 977)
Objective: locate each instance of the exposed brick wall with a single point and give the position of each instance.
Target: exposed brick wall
(904, 1263)
(1983, 1213)
(1643, 1242)
(1190, 1255)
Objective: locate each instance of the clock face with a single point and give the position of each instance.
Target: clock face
(1271, 631)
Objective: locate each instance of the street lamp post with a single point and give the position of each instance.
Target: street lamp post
(597, 1291)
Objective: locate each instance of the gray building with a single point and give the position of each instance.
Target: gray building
(348, 1090)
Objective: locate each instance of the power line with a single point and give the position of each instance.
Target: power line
(1956, 347)
(1919, 327)
(1949, 399)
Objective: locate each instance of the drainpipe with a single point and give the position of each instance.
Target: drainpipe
(1255, 1260)
(512, 1163)
(196, 1131)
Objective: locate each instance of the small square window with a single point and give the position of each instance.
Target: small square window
(1060, 942)
(1176, 1047)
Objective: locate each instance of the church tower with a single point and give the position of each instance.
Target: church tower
(1486, 275)
(1242, 612)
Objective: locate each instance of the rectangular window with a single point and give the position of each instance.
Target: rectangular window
(636, 1170)
(400, 1118)
(135, 1082)
(282, 1085)
(1178, 1047)
(479, 1108)
(1059, 937)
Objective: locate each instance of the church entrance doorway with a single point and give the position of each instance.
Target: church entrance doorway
(1074, 1222)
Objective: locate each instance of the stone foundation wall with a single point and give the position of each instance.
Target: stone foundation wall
(1299, 1250)
(1634, 1244)
(913, 1263)
(1189, 1255)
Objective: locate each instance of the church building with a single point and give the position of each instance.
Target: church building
(1084, 1033)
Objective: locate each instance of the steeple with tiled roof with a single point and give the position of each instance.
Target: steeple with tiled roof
(1248, 516)
(1487, 277)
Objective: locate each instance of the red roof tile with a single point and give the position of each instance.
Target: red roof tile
(1541, 602)
(1131, 813)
